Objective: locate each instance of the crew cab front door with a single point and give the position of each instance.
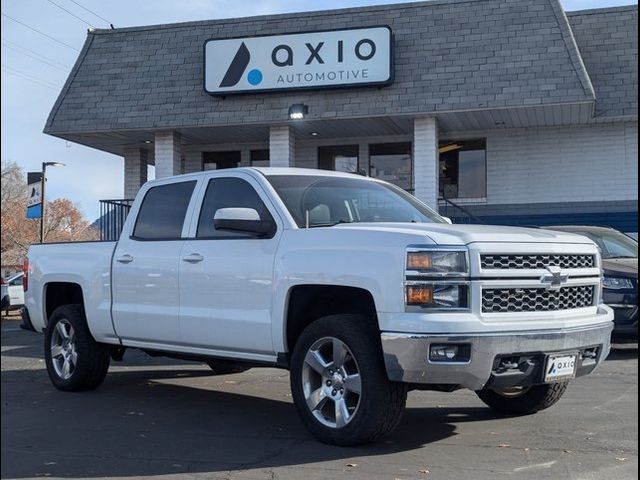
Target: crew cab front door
(226, 277)
(146, 264)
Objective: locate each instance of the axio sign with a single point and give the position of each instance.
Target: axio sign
(337, 58)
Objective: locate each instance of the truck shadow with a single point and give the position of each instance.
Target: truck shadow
(139, 424)
(628, 351)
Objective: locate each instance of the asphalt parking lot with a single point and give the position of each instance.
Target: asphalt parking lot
(160, 417)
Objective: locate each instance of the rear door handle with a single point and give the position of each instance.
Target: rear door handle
(126, 258)
(193, 258)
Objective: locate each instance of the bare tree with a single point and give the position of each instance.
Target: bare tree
(14, 185)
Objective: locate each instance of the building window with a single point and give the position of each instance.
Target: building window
(259, 158)
(392, 162)
(341, 158)
(220, 160)
(463, 169)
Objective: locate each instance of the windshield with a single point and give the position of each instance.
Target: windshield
(322, 201)
(613, 244)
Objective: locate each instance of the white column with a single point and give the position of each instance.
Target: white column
(168, 153)
(245, 158)
(281, 147)
(363, 159)
(425, 160)
(135, 170)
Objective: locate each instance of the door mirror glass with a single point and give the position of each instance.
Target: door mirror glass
(245, 220)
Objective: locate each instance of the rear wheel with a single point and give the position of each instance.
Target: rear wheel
(75, 361)
(226, 367)
(523, 400)
(339, 382)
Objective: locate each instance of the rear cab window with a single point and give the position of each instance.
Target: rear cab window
(163, 210)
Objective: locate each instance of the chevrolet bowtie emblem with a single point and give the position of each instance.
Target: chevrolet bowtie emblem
(554, 279)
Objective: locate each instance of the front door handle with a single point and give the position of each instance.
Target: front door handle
(193, 258)
(126, 258)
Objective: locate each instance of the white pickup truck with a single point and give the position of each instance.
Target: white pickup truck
(356, 287)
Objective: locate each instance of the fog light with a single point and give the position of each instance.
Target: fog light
(443, 352)
(449, 353)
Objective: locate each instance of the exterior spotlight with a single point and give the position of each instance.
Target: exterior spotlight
(298, 111)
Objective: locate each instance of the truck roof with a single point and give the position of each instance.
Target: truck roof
(270, 171)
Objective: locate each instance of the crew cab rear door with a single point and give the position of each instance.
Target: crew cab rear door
(146, 263)
(226, 277)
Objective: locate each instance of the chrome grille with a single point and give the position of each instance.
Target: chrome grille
(499, 300)
(524, 262)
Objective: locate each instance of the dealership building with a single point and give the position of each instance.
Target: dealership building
(503, 111)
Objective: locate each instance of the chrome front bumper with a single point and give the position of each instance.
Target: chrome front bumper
(406, 355)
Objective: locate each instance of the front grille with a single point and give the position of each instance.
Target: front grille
(524, 262)
(499, 300)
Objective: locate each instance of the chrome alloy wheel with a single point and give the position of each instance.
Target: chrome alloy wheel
(331, 382)
(63, 349)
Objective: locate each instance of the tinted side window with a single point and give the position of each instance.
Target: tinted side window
(228, 193)
(162, 212)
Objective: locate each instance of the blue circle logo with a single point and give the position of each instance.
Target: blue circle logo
(254, 77)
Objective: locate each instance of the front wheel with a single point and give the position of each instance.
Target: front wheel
(339, 382)
(75, 361)
(523, 400)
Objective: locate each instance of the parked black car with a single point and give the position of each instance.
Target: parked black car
(620, 265)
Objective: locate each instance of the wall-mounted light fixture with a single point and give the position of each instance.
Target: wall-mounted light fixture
(297, 111)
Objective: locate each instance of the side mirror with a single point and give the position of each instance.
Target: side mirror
(245, 220)
(448, 220)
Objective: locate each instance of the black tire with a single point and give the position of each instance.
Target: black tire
(531, 400)
(226, 367)
(381, 402)
(92, 357)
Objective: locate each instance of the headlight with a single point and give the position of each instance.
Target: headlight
(616, 283)
(437, 296)
(438, 262)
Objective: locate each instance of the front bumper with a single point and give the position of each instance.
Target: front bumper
(407, 355)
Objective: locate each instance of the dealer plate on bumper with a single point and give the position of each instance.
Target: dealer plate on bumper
(560, 367)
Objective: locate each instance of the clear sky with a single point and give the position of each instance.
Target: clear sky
(35, 67)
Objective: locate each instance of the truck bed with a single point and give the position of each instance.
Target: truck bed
(87, 264)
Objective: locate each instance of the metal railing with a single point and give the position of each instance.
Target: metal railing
(457, 213)
(113, 213)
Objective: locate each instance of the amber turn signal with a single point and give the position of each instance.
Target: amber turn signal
(419, 294)
(419, 261)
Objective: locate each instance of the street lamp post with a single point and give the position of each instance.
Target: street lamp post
(42, 199)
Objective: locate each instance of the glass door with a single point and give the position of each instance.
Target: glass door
(340, 158)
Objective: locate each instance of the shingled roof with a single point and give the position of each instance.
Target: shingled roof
(450, 55)
(608, 42)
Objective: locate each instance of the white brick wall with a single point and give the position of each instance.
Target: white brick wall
(281, 146)
(563, 164)
(135, 171)
(168, 152)
(425, 160)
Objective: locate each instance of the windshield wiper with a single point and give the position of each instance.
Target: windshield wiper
(329, 224)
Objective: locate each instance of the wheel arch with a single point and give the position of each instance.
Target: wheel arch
(57, 294)
(308, 302)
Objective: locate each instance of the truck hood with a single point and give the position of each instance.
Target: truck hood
(446, 234)
(626, 267)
